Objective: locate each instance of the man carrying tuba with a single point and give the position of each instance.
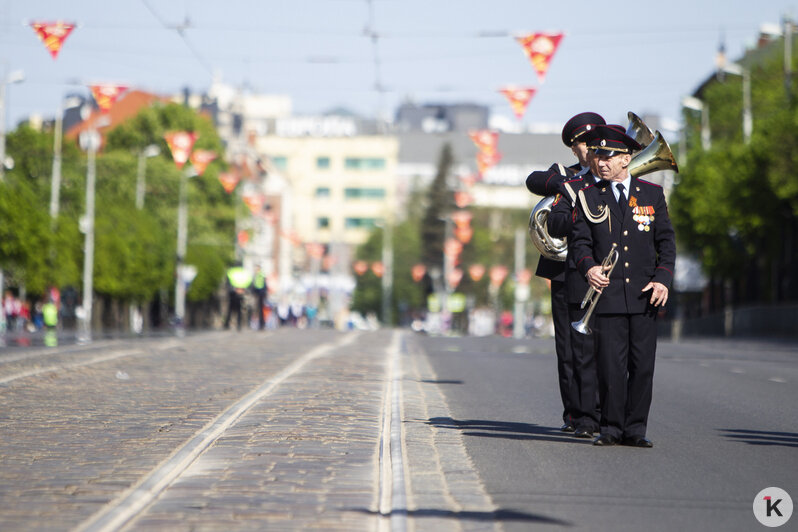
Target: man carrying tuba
(636, 219)
(549, 183)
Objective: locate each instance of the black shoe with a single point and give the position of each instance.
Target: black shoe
(568, 427)
(605, 440)
(583, 433)
(638, 441)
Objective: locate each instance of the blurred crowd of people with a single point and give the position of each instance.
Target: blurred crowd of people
(54, 309)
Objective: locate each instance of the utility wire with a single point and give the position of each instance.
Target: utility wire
(181, 31)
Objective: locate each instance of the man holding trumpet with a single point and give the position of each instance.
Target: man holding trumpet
(628, 215)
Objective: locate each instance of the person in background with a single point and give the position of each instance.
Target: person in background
(238, 281)
(260, 290)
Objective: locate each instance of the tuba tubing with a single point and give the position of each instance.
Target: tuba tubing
(548, 246)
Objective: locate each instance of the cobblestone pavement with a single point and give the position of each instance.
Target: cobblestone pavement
(284, 430)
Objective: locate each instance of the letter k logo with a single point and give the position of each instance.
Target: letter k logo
(772, 506)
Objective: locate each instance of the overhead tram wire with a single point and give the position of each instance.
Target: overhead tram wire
(181, 31)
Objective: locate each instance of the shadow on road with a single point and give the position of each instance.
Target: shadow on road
(432, 381)
(465, 515)
(762, 437)
(510, 430)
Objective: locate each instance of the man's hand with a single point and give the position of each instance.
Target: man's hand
(596, 278)
(659, 293)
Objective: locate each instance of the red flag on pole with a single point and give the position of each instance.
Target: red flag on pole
(519, 98)
(106, 95)
(200, 159)
(181, 143)
(540, 48)
(52, 34)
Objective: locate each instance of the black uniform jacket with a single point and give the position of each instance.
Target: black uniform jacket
(560, 223)
(548, 183)
(645, 238)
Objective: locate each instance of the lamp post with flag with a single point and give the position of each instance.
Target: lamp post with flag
(181, 143)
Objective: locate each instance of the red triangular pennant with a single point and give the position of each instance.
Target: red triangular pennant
(181, 143)
(229, 181)
(485, 139)
(519, 98)
(539, 48)
(106, 95)
(52, 34)
(200, 159)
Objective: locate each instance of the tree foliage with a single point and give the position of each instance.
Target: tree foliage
(134, 249)
(736, 205)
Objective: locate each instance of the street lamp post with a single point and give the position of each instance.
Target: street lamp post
(150, 151)
(695, 104)
(387, 276)
(55, 187)
(14, 77)
(182, 239)
(738, 70)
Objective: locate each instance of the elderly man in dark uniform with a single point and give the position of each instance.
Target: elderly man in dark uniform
(549, 183)
(632, 214)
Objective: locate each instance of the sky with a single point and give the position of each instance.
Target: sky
(642, 57)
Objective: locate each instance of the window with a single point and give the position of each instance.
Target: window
(322, 192)
(364, 163)
(322, 163)
(323, 222)
(360, 223)
(280, 162)
(364, 193)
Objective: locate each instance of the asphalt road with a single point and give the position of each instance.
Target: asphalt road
(723, 423)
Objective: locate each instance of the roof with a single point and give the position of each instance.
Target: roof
(128, 106)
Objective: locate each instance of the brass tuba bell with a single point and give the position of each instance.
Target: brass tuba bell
(638, 130)
(654, 157)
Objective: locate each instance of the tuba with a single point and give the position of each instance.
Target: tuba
(654, 157)
(550, 247)
(638, 130)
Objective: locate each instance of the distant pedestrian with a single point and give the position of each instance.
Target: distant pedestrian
(50, 314)
(260, 289)
(238, 281)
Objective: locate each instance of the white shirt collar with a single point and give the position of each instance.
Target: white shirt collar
(627, 183)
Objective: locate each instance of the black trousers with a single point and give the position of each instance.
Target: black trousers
(627, 344)
(585, 380)
(234, 306)
(562, 346)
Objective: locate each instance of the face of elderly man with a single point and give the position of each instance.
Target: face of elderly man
(611, 168)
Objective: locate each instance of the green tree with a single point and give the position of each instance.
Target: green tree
(736, 205)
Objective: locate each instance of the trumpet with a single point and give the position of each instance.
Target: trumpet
(592, 295)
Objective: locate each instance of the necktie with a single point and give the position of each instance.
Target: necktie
(621, 199)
